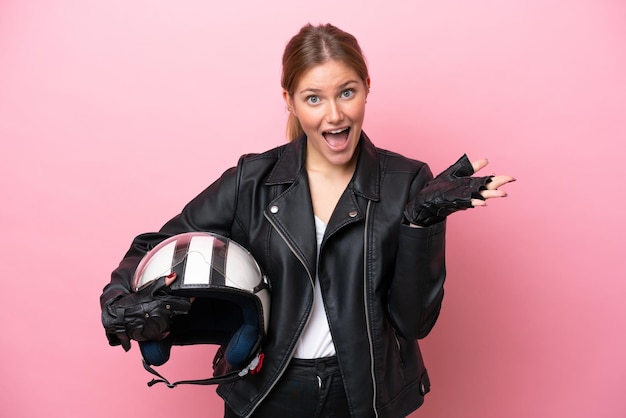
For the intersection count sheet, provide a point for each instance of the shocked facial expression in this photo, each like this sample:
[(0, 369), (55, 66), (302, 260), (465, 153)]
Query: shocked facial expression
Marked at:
[(329, 102)]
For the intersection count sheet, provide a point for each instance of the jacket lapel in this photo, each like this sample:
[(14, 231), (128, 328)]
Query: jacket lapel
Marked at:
[(291, 212), (363, 187)]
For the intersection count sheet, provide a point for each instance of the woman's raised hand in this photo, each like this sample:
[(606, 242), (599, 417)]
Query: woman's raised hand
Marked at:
[(453, 190)]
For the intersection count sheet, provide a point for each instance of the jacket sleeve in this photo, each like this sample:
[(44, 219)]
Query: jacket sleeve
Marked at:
[(212, 210), (416, 290)]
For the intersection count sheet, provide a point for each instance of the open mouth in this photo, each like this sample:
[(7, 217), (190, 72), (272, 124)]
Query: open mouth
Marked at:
[(337, 138)]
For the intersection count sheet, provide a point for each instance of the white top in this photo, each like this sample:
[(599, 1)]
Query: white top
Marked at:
[(316, 341)]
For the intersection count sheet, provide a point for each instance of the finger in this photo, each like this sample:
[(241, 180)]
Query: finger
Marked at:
[(479, 164), (170, 278), (478, 202), (498, 181), (489, 194)]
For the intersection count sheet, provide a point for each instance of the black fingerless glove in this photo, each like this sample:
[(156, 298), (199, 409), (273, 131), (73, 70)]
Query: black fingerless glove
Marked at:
[(450, 191), (144, 315)]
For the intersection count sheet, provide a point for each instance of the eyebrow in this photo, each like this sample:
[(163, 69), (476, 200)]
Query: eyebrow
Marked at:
[(314, 90)]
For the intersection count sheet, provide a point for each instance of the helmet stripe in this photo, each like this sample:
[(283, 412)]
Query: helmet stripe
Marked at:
[(218, 262), (179, 260)]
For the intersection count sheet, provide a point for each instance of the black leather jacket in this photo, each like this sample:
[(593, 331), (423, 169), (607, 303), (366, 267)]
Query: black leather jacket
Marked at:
[(382, 281)]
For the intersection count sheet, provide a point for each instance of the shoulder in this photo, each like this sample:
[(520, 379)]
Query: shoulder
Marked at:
[(258, 167), (261, 159), (393, 162), (266, 157), (390, 161)]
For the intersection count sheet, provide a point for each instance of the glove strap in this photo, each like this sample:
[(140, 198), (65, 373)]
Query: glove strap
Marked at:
[(120, 328)]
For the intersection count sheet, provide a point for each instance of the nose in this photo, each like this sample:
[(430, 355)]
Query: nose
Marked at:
[(334, 112)]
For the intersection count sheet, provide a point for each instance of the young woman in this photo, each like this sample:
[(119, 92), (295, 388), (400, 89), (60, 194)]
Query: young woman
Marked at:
[(350, 236)]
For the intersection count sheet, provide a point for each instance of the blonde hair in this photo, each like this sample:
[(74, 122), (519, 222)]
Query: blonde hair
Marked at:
[(315, 45)]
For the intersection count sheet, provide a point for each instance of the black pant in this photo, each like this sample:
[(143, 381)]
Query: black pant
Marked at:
[(308, 389)]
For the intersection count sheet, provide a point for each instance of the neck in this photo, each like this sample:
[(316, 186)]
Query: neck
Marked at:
[(324, 168), (331, 171)]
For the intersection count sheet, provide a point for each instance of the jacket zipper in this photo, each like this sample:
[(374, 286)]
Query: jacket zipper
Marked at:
[(367, 316), (307, 319)]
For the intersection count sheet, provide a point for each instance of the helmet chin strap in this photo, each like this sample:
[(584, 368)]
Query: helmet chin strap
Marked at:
[(253, 367)]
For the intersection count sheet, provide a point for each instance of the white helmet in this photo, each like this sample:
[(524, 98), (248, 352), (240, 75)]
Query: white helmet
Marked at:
[(230, 307)]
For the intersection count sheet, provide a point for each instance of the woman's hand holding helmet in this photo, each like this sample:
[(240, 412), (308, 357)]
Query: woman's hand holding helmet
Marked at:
[(146, 314), (453, 190)]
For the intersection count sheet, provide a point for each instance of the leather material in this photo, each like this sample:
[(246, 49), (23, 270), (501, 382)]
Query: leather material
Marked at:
[(382, 281), (450, 191), (145, 315)]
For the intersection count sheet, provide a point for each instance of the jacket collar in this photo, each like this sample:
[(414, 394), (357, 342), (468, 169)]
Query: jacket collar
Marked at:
[(366, 179)]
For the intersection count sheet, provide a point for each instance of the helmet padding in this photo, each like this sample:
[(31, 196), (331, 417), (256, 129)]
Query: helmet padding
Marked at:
[(226, 319)]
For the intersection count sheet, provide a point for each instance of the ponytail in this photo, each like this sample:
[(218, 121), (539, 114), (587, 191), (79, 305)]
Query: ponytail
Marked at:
[(294, 129)]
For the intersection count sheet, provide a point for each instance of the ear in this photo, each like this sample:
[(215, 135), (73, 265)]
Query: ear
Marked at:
[(368, 85), (288, 100)]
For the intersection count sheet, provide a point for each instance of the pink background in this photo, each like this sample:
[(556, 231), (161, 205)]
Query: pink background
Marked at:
[(113, 114)]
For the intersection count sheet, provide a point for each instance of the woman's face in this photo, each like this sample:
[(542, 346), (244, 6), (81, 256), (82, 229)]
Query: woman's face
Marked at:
[(329, 102)]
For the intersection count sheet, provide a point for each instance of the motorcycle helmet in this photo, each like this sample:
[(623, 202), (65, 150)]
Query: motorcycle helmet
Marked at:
[(230, 308)]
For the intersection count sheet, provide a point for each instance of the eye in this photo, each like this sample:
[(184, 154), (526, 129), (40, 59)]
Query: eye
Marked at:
[(313, 100), (346, 94)]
